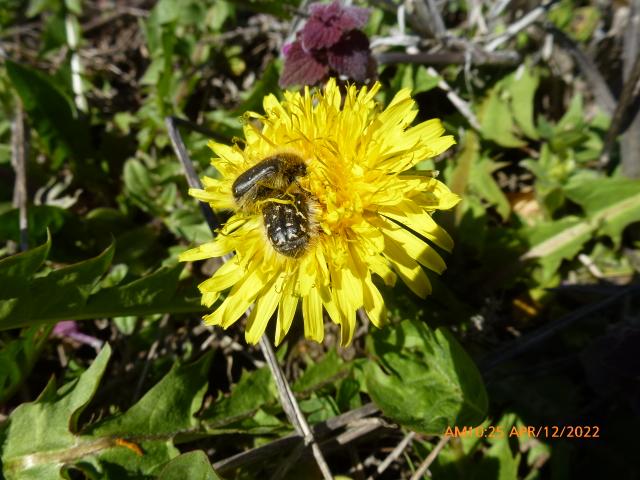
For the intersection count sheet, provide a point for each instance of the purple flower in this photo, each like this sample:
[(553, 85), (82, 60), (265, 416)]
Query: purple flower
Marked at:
[(69, 329), (330, 43)]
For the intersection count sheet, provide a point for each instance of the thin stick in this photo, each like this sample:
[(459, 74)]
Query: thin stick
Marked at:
[(630, 143), (520, 25), (395, 453), (459, 103), (424, 466), (192, 177), (601, 91), (478, 58), (19, 149), (291, 407), (288, 400), (435, 19), (626, 101)]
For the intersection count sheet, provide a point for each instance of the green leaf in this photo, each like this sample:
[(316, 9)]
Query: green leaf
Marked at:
[(553, 242), (70, 293), (16, 271), (192, 466), (499, 454), (424, 81), (167, 409), (151, 426), (41, 436), (68, 288), (44, 436), (482, 182), (40, 219), (496, 119), (138, 183), (469, 155), (38, 6), (609, 203), (254, 390), (423, 379), (167, 11), (573, 119), (50, 112), (327, 370), (141, 295), (17, 358), (523, 90), (319, 408)]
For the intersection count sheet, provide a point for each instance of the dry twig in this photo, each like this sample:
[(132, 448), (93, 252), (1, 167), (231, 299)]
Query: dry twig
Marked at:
[(321, 431), (395, 453), (630, 144), (424, 466), (477, 57), (601, 91), (627, 100), (19, 151), (462, 106), (518, 26)]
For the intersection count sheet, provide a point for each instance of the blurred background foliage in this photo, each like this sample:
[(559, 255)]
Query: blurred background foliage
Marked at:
[(541, 291)]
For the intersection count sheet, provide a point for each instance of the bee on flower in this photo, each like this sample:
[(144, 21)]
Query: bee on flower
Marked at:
[(325, 205)]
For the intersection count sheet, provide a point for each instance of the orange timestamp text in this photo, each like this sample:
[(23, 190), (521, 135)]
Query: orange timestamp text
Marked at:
[(530, 431)]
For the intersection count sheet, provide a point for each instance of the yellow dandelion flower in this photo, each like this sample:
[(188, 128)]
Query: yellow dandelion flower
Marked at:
[(323, 200)]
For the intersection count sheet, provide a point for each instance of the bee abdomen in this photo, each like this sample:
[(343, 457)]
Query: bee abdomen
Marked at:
[(288, 226)]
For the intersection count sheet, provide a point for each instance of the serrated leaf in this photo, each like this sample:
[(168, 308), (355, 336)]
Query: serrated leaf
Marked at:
[(496, 119), (155, 289), (553, 242), (192, 466), (482, 182), (423, 379), (17, 270), (609, 203), (66, 294), (319, 408), (68, 288), (42, 435), (148, 429)]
